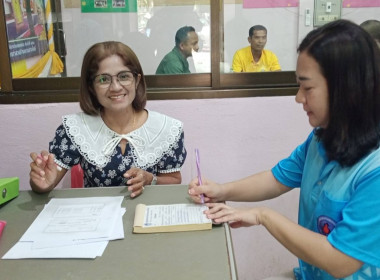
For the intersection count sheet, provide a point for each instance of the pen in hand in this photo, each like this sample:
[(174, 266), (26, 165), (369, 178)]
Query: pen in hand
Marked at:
[(199, 172)]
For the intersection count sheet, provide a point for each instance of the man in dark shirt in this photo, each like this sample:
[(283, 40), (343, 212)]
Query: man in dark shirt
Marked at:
[(175, 62)]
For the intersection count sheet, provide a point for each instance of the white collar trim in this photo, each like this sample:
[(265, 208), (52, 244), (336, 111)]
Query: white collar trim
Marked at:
[(97, 143)]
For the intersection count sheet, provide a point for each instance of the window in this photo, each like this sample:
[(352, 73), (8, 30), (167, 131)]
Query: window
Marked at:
[(148, 27)]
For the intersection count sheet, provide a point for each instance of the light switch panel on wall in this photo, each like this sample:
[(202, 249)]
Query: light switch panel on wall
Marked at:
[(307, 17), (326, 11), (328, 7)]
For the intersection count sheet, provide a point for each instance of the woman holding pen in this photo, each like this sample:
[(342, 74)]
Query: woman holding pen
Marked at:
[(337, 168)]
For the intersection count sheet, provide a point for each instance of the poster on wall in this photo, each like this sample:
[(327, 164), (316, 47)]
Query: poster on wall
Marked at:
[(109, 6), (27, 38), (360, 3), (249, 4)]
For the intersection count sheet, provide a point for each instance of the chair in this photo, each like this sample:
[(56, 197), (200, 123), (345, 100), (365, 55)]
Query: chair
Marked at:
[(76, 176)]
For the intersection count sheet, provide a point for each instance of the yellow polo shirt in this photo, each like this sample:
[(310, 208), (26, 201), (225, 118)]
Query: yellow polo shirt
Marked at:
[(243, 61)]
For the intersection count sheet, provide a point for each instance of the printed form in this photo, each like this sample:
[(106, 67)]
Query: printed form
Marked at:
[(72, 228), (174, 214)]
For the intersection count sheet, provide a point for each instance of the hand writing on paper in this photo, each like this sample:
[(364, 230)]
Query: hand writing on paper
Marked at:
[(210, 190)]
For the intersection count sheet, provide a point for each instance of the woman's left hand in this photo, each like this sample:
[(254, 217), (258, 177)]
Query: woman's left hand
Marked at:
[(237, 217), (137, 179)]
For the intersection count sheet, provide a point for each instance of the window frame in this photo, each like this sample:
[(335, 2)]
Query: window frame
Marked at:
[(159, 87)]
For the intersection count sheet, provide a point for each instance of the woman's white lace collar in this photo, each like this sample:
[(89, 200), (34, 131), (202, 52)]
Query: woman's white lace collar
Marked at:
[(97, 143)]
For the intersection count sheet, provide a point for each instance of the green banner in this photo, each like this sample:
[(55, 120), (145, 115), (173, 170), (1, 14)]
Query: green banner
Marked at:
[(109, 6)]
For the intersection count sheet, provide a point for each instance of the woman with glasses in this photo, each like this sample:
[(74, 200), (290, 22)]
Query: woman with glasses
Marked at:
[(115, 140)]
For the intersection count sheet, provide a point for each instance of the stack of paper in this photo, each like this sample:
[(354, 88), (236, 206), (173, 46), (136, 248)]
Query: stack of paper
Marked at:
[(72, 228), (170, 218)]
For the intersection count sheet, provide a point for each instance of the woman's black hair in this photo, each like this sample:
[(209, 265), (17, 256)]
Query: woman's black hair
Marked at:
[(349, 59)]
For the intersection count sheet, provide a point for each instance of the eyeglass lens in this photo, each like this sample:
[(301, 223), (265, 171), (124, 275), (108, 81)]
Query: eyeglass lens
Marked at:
[(125, 78)]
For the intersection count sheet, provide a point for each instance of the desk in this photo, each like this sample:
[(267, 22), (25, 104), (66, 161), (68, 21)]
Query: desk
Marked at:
[(178, 255)]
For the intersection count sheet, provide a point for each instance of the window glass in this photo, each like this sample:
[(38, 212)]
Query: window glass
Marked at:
[(161, 29), (281, 24), (27, 37), (49, 37), (147, 26), (287, 23)]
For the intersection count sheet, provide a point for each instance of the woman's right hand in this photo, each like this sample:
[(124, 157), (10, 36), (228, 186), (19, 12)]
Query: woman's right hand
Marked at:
[(43, 171), (211, 191)]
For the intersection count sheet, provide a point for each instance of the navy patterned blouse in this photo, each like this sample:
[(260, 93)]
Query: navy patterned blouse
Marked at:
[(157, 147)]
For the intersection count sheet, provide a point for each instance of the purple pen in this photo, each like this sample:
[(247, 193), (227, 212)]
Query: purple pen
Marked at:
[(2, 226), (197, 160)]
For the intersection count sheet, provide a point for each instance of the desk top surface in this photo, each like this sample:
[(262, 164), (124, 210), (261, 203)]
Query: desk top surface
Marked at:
[(178, 255)]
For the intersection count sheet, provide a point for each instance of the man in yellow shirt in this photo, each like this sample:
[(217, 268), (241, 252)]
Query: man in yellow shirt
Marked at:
[(254, 58)]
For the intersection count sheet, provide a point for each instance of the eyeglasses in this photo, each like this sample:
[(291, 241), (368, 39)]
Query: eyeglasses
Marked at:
[(125, 78)]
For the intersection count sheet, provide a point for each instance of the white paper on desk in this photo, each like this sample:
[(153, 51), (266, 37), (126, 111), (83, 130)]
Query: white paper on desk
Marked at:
[(117, 233), (25, 250), (63, 221)]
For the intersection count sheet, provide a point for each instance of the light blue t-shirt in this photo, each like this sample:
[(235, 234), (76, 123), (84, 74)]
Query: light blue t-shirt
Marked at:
[(342, 203)]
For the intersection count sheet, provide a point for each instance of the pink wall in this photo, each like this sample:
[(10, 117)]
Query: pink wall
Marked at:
[(236, 137)]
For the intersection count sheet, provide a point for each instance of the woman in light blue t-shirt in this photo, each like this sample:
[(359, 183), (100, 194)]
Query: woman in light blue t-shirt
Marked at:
[(337, 168)]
